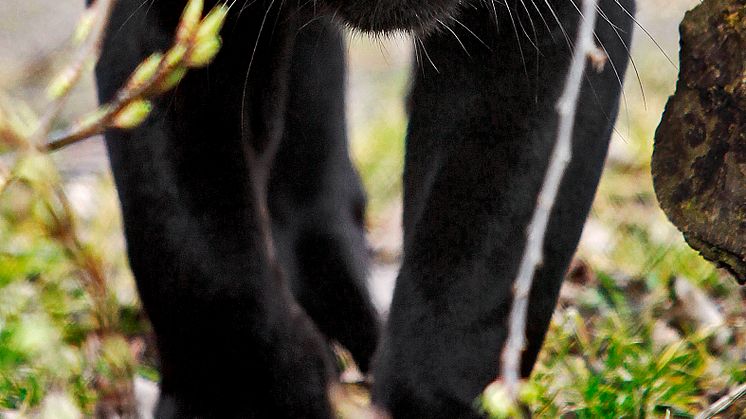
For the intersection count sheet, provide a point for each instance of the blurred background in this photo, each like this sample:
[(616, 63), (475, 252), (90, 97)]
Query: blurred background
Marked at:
[(644, 328)]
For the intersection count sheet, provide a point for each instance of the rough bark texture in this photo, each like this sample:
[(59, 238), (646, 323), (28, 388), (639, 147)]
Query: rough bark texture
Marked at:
[(699, 162)]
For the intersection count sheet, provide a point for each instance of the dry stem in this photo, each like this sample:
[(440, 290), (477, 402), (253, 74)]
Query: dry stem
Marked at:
[(724, 403), (90, 49), (536, 231)]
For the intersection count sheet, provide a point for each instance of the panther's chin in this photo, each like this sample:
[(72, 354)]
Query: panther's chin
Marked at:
[(383, 16)]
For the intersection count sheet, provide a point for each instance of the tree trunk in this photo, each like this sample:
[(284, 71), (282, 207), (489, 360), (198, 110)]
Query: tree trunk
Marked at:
[(699, 162)]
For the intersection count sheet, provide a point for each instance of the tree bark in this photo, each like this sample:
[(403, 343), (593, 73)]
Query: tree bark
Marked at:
[(699, 161)]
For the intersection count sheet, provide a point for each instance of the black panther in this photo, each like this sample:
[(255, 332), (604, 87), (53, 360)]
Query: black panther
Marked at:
[(236, 338)]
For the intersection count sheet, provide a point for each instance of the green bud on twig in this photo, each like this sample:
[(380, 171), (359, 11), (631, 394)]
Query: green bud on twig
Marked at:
[(175, 55), (85, 25), (61, 84), (207, 42), (145, 71), (189, 20), (174, 67), (172, 79), (212, 23), (133, 114), (203, 52)]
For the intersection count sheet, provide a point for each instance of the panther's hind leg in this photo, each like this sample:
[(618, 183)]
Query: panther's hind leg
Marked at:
[(317, 201), (482, 127)]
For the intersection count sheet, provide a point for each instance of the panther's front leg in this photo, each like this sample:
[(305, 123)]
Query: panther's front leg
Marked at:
[(483, 123), (232, 340)]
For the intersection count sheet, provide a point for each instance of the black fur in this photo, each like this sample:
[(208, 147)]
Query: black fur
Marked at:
[(418, 16), (233, 339)]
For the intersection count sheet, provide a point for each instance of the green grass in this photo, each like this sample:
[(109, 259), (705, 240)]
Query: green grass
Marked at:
[(44, 313), (50, 350), (602, 358)]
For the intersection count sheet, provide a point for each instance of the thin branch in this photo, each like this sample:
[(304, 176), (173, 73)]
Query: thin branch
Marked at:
[(74, 72), (178, 58), (724, 403), (536, 231), (124, 97)]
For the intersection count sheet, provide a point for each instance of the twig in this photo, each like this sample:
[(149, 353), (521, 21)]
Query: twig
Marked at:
[(90, 49), (123, 98), (536, 231), (724, 403), (178, 57), (67, 233)]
